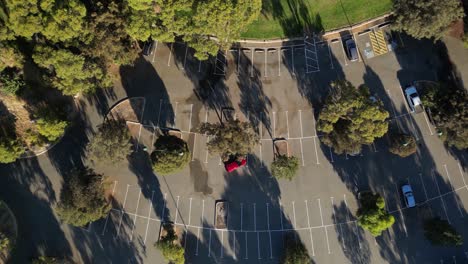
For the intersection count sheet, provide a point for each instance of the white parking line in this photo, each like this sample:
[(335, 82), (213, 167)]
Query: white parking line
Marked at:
[(246, 247), (123, 211), (269, 233), (201, 220), (185, 57), (440, 195), (424, 186), (302, 135), (344, 53), (287, 121), (154, 51), (159, 113), (274, 124), (294, 214), (222, 244), (340, 232), (170, 55), (199, 66), (198, 238), (331, 154), (462, 174), (326, 231), (330, 56), (266, 74), (347, 207), (281, 215), (316, 152), (136, 212), (310, 230), (149, 214), (234, 245), (190, 118), (279, 63), (357, 235), (194, 145), (448, 175), (177, 209), (252, 66), (190, 211), (163, 210), (294, 66), (258, 245), (242, 214), (209, 246), (108, 215), (427, 122)]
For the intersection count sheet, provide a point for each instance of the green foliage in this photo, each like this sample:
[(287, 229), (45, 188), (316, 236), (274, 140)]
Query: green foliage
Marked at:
[(171, 155), (465, 40), (194, 20), (231, 138), (295, 252), (10, 56), (83, 200), (24, 17), (111, 144), (11, 83), (439, 232), (372, 215), (402, 145), (69, 72), (284, 167), (448, 107), (10, 149), (4, 242), (350, 118), (63, 21), (426, 19), (50, 126), (170, 248)]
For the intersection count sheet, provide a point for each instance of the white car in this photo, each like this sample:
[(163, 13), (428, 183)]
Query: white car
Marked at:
[(408, 195), (413, 97)]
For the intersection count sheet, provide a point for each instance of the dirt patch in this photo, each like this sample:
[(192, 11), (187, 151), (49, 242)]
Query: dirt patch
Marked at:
[(130, 109), (15, 116), (457, 29)]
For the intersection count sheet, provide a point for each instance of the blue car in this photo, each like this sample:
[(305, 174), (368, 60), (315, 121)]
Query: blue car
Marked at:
[(408, 195)]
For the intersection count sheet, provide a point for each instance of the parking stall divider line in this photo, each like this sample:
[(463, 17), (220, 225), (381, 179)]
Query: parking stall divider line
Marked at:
[(287, 121), (385, 200), (175, 112), (194, 145), (185, 57), (340, 231), (328, 242), (123, 211), (154, 51), (357, 235), (329, 55), (149, 215), (310, 230), (344, 54), (255, 217), (246, 247), (252, 63), (448, 175), (281, 215), (177, 209), (279, 62), (190, 123), (242, 215), (316, 152), (274, 124), (190, 211), (440, 195), (108, 214), (294, 214), (170, 55), (261, 155), (427, 122), (320, 209), (269, 232), (234, 245), (163, 208), (198, 238), (331, 154), (159, 113), (258, 245), (294, 65), (462, 174), (199, 66), (136, 212), (222, 244), (266, 73), (346, 204), (209, 246), (454, 260)]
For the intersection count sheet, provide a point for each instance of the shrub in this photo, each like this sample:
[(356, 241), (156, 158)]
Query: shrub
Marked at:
[(83, 199), (11, 83), (4, 242), (51, 127), (440, 232), (10, 150), (284, 167), (372, 215), (111, 144), (402, 145), (171, 155), (295, 252), (170, 248)]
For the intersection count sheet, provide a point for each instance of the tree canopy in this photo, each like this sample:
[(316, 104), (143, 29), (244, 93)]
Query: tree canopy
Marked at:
[(350, 118), (170, 247), (426, 19), (372, 215), (284, 167), (295, 252), (82, 199), (10, 149), (171, 154), (230, 138), (402, 145), (111, 144), (440, 232)]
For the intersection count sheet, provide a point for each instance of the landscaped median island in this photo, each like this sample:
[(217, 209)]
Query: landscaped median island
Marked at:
[(286, 18)]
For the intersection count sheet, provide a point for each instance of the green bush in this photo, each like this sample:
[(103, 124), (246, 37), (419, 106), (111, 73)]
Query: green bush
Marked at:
[(11, 83), (171, 155), (465, 41), (50, 126), (284, 167), (402, 145), (439, 232), (10, 150), (4, 242), (295, 252), (372, 215), (83, 199), (169, 247)]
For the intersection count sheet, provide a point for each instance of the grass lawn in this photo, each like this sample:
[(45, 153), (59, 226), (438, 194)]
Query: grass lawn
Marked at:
[(287, 18)]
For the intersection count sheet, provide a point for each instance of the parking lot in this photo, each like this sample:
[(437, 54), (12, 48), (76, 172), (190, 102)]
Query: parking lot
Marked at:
[(280, 89)]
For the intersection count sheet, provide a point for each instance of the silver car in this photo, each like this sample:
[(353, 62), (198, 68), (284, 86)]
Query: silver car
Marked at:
[(413, 97)]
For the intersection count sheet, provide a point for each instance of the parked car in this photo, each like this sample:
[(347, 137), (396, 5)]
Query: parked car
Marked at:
[(148, 48), (412, 97), (233, 165), (351, 50), (408, 195)]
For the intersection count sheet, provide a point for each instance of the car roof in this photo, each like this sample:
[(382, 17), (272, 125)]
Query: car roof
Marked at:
[(406, 188), (411, 200), (349, 41), (411, 89)]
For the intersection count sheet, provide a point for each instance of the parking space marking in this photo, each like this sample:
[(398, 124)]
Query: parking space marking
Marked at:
[(329, 55), (163, 210), (427, 121), (281, 215), (287, 121), (190, 211), (177, 209), (246, 247), (310, 229), (331, 154), (316, 152), (294, 213), (155, 48), (302, 135), (170, 55), (279, 62), (424, 186), (198, 238), (123, 211), (201, 220), (357, 47), (185, 57), (209, 246), (269, 232), (136, 212), (400, 207), (344, 53), (234, 245), (266, 74), (346, 204), (274, 124), (108, 214), (440, 195), (242, 215), (357, 235), (252, 64), (194, 145), (448, 175), (340, 231), (462, 174), (222, 244)]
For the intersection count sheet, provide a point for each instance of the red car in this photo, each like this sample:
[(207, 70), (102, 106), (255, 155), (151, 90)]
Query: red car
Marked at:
[(233, 165)]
